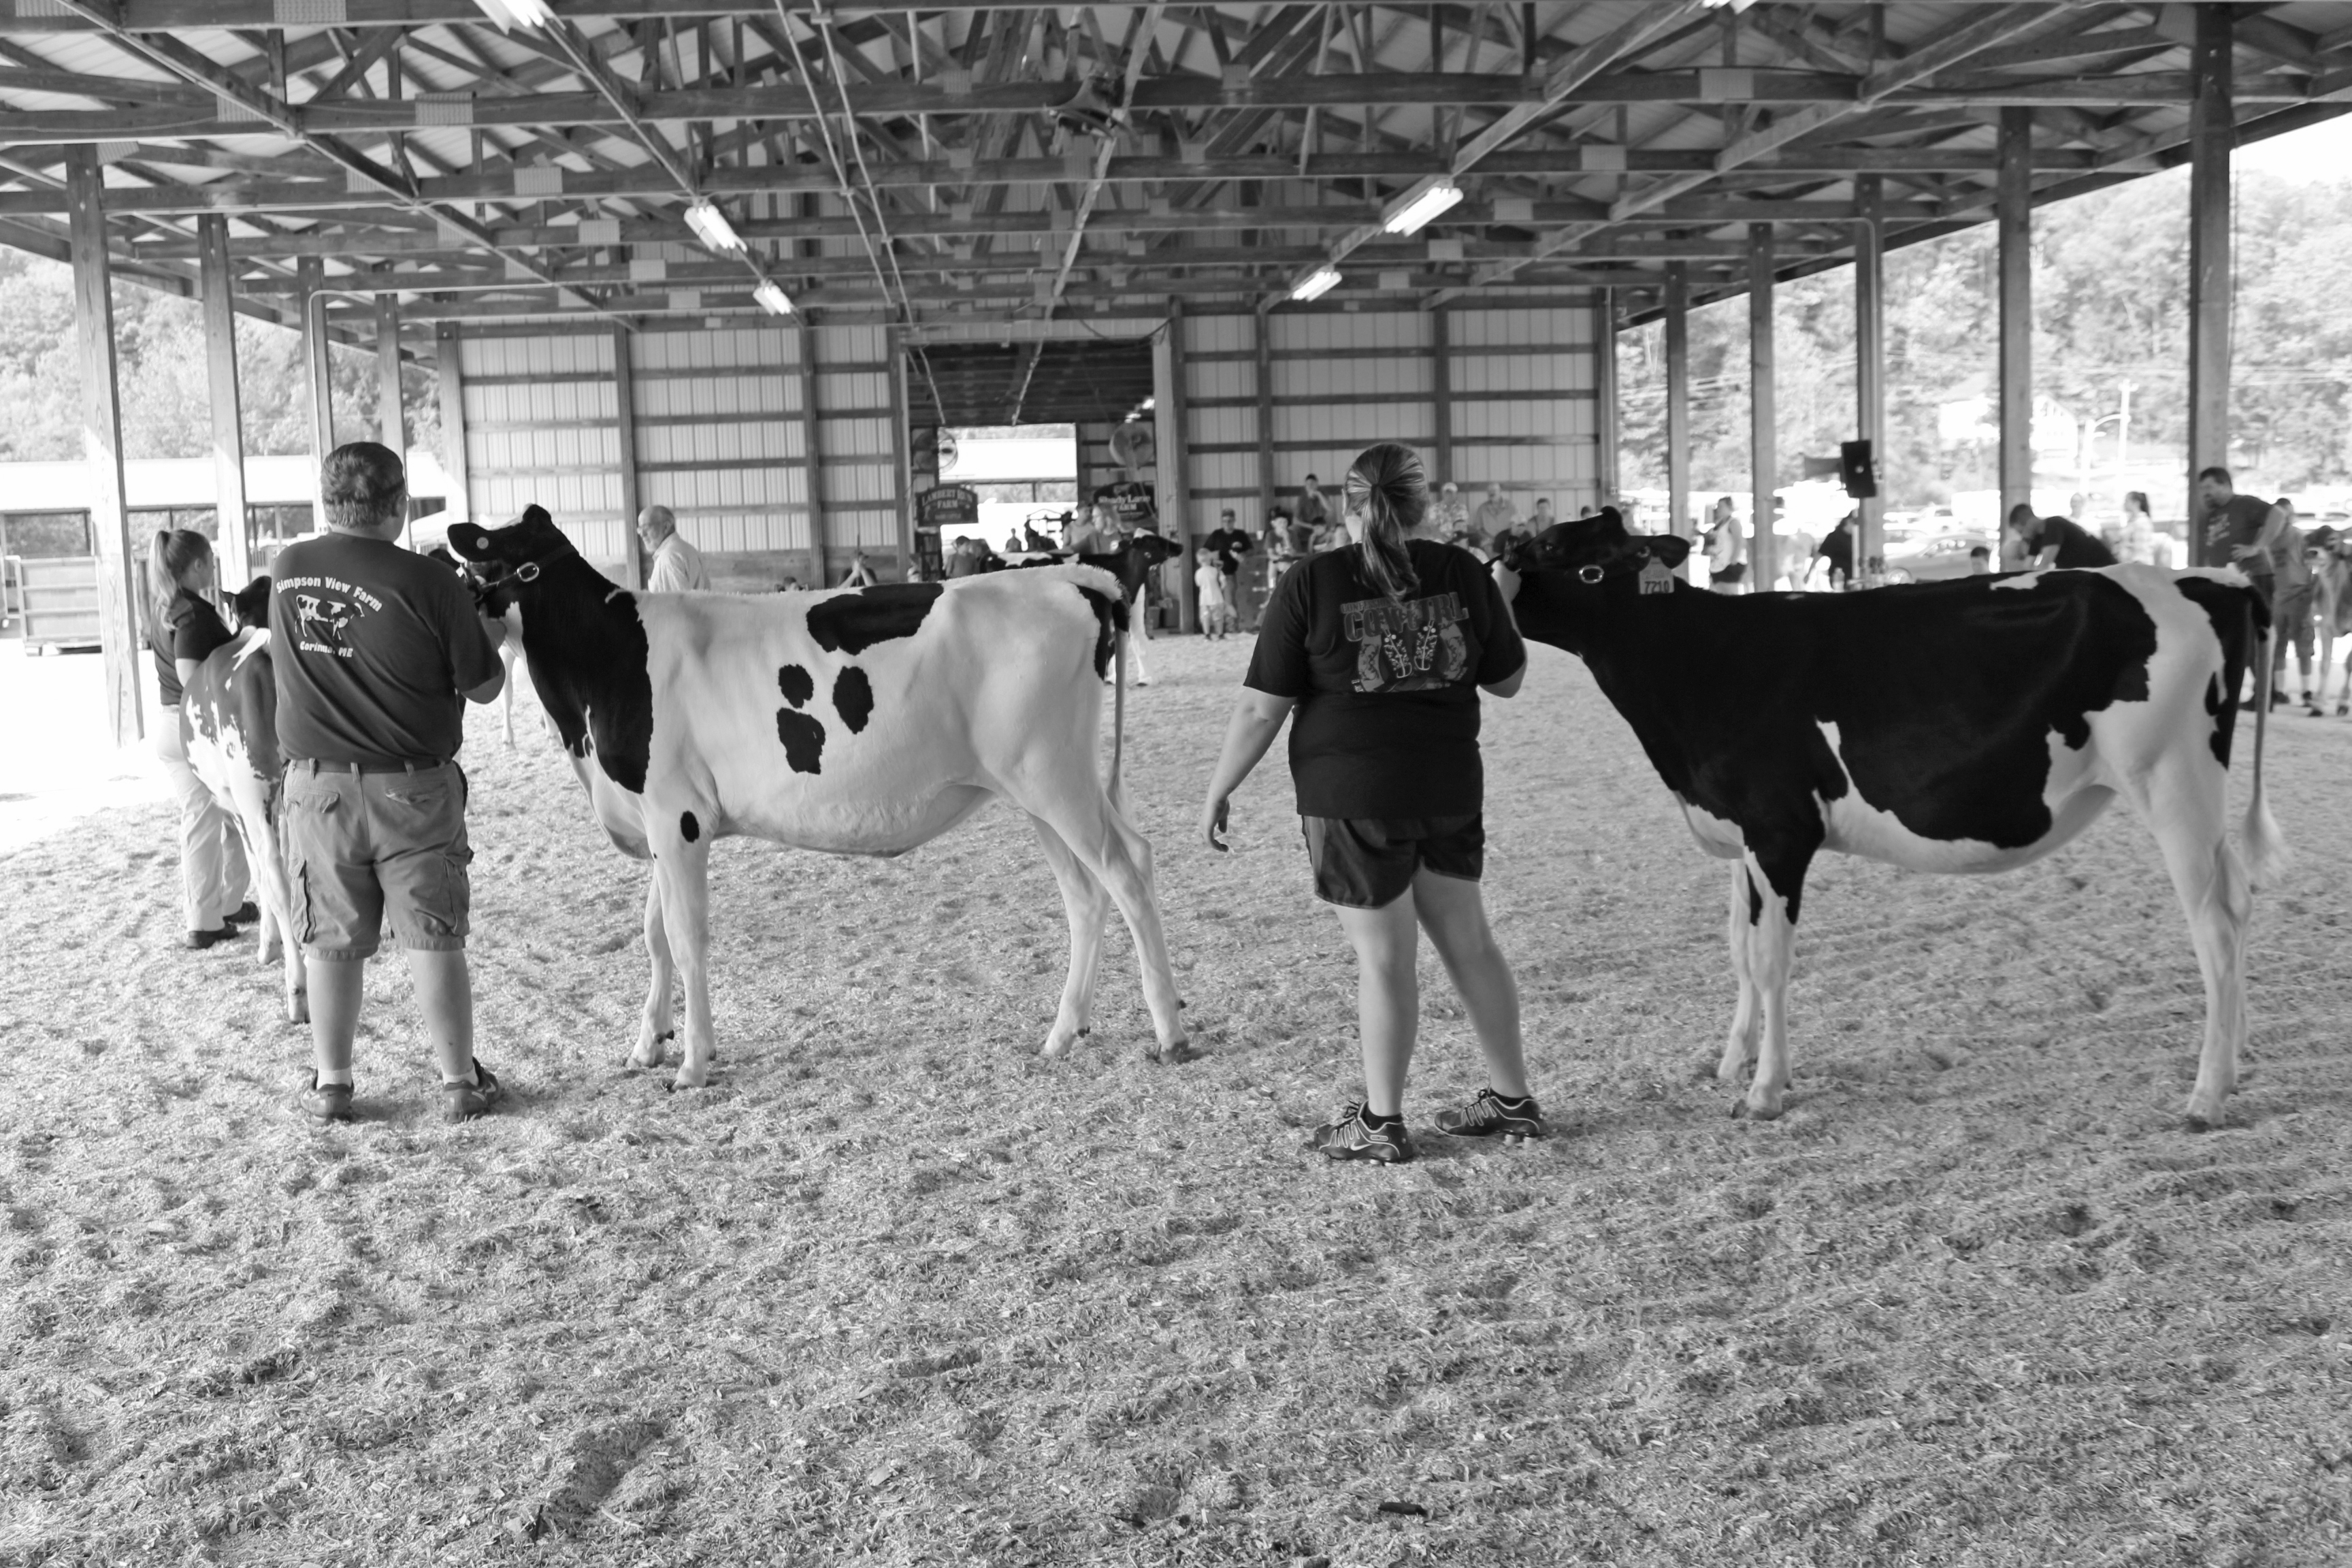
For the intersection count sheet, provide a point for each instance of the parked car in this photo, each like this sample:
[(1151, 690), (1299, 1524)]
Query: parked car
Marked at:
[(1934, 559)]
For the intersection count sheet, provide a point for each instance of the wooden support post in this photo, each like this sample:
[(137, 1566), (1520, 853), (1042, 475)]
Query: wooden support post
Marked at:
[(1678, 507), (2013, 219), (1264, 344), (449, 370), (634, 567), (1869, 369), (392, 418), (1604, 386), (2212, 133), (310, 277), (902, 445), (1763, 447), (813, 474), (216, 282), (1172, 468), (1440, 390), (119, 619)]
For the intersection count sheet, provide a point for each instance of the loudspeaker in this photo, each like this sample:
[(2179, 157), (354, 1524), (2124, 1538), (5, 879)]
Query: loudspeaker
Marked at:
[(1855, 470)]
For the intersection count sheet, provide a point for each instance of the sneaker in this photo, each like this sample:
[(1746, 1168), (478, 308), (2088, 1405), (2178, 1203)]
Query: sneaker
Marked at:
[(462, 1102), (1490, 1114), (197, 940), (1350, 1137), (327, 1102), (244, 914)]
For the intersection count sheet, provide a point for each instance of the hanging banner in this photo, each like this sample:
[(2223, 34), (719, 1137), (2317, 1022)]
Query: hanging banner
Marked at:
[(1130, 502)]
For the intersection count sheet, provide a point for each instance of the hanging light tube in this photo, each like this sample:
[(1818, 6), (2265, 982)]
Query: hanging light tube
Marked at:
[(710, 226), (513, 14), (772, 298), (1411, 212), (1316, 284)]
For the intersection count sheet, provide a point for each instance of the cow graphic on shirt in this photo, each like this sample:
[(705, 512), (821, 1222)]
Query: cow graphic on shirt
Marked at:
[(1415, 645), (322, 618)]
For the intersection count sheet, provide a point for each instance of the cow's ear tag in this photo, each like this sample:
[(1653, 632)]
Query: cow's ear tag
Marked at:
[(1656, 578)]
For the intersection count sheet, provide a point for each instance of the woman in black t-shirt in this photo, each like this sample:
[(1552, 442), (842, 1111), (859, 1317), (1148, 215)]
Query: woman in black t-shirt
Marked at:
[(1381, 649), (183, 629)]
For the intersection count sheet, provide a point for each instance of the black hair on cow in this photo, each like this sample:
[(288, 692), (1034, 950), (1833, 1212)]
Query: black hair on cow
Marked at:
[(251, 604)]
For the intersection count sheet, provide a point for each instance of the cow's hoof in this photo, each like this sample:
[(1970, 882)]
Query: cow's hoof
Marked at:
[(1176, 1051), (1732, 1069), (1763, 1107), (691, 1077), (2204, 1112)]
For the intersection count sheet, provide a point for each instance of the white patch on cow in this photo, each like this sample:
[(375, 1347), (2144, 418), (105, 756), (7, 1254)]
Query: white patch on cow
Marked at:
[(1719, 837), (2021, 580)]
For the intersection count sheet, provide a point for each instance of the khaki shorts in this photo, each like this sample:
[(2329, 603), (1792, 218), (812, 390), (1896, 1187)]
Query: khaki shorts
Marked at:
[(362, 846)]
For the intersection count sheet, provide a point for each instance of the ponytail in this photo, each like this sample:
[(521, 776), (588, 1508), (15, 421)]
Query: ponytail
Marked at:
[(1387, 488), (175, 553)]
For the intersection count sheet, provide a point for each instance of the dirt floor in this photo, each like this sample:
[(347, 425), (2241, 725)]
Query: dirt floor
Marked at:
[(895, 1291)]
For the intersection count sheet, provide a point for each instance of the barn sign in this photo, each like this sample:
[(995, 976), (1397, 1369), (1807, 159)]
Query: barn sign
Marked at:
[(942, 507)]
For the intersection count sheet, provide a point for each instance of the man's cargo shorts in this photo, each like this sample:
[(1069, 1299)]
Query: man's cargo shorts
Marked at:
[(360, 846)]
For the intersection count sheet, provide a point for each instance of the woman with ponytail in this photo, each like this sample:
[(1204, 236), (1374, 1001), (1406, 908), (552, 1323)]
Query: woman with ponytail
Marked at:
[(183, 629), (1381, 649)]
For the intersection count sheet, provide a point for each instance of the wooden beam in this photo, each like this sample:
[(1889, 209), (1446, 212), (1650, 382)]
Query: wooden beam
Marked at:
[(392, 418), (218, 302), (2014, 218), (902, 445), (2212, 138), (119, 620), (1869, 371), (813, 471), (1763, 447), (449, 370), (1262, 342), (310, 281), (1173, 465), (1441, 377), (1604, 384), (636, 570), (1677, 335)]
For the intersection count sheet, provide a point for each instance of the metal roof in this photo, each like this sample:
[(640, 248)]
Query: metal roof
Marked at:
[(983, 161)]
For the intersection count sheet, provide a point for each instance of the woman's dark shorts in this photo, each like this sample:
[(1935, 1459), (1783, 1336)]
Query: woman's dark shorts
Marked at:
[(1365, 862)]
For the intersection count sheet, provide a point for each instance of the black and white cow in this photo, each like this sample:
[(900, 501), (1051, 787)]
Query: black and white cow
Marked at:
[(855, 720), (1971, 725), (228, 721), (506, 651)]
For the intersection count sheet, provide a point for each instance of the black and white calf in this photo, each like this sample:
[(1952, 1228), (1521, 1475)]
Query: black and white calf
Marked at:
[(857, 722), (1973, 725)]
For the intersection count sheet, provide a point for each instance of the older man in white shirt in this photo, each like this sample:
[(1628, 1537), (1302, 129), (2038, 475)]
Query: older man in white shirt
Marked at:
[(677, 566)]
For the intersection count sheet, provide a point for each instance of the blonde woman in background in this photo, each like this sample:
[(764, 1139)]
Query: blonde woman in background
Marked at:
[(183, 629)]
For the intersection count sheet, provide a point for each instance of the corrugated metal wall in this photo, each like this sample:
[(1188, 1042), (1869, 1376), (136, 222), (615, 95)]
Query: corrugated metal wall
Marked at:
[(722, 439), (1521, 408)]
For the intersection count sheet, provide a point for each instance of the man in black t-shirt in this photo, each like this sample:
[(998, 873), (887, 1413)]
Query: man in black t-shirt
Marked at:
[(2239, 529), (377, 650), (2047, 542)]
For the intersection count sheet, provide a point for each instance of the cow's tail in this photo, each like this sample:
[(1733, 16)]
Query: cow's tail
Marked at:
[(1118, 715), (2266, 852)]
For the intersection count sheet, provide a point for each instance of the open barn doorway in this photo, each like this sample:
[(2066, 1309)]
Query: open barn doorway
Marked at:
[(1015, 442)]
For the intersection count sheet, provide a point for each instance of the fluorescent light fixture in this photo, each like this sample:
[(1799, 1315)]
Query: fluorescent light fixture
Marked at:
[(772, 298), (711, 228), (1410, 212), (511, 14), (1736, 6), (1316, 284)]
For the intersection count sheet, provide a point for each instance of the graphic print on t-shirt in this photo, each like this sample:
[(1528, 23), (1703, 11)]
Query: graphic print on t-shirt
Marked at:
[(1416, 646), (319, 617)]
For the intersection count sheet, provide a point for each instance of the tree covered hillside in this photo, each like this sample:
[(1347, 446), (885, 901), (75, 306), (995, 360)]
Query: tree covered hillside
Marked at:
[(160, 369)]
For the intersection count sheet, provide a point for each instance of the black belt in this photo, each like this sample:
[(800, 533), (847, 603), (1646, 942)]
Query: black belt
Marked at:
[(319, 767)]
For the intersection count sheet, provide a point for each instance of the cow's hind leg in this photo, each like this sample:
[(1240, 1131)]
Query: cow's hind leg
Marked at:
[(683, 870), (2187, 818), (277, 944), (1739, 1044), (655, 1026), (1088, 904), (1107, 845)]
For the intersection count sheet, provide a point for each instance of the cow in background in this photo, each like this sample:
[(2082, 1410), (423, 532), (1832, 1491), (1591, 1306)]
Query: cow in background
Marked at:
[(2329, 550), (855, 722), (228, 718), (1969, 725)]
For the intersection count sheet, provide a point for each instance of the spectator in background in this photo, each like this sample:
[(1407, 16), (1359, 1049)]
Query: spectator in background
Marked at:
[(677, 566), (1837, 549), (964, 557), (1449, 519), (1314, 507), (183, 629), (1542, 520), (1329, 535), (860, 573), (2290, 609), (1013, 545), (2239, 529), (2139, 535), (1979, 561), (1495, 515), (1228, 543), (1727, 552), (1216, 609), (2047, 542), (1030, 540)]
